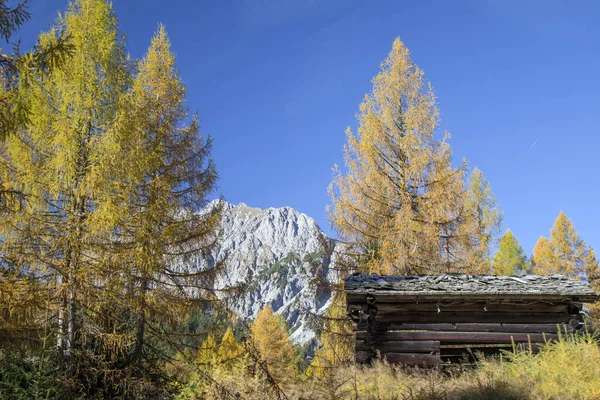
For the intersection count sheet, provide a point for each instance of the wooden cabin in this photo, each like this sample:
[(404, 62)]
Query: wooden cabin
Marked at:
[(428, 320)]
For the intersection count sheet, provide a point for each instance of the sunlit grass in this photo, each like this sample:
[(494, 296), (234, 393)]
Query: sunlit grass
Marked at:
[(568, 369)]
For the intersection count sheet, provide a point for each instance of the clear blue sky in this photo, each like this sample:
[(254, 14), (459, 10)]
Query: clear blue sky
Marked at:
[(276, 82)]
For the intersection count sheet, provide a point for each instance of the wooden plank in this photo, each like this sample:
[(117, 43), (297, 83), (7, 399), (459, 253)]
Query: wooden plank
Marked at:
[(413, 359), (462, 337), (472, 317), (474, 327), (457, 351), (543, 307), (407, 346), (402, 358)]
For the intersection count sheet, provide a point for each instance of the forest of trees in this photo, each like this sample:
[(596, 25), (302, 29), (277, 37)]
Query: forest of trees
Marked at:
[(105, 178)]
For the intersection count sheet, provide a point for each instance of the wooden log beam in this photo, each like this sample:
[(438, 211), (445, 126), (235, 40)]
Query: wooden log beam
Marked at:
[(353, 297), (461, 337), (474, 327), (407, 346), (473, 317), (403, 358), (543, 307), (487, 350), (413, 359)]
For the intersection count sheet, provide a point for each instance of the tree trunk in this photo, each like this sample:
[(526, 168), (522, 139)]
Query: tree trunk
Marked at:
[(141, 327)]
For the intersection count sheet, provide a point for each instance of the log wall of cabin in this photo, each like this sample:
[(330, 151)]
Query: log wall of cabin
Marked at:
[(430, 333)]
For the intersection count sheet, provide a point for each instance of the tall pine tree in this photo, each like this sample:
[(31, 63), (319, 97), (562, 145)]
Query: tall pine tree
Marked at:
[(400, 203)]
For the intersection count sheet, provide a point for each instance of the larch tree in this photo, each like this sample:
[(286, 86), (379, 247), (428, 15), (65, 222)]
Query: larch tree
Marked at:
[(543, 258), (115, 179), (11, 19), (483, 226), (400, 201), (564, 252), (18, 68), (208, 353), (161, 216), (337, 340), (510, 259), (270, 337), (51, 160), (592, 275), (229, 349)]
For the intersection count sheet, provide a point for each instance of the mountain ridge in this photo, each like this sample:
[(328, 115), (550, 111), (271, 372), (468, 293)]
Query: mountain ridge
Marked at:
[(281, 258)]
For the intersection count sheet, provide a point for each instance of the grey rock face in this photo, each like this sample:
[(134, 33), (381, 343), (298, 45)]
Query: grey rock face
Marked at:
[(284, 260)]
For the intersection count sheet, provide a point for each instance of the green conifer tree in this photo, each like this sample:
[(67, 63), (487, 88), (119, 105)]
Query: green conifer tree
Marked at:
[(510, 259)]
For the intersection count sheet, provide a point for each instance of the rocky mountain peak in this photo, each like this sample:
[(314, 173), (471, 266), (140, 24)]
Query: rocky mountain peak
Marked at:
[(283, 260)]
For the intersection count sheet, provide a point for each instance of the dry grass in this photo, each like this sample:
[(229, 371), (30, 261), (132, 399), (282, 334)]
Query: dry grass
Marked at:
[(565, 370)]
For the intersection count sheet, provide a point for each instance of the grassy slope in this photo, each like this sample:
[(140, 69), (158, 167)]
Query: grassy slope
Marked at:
[(569, 369)]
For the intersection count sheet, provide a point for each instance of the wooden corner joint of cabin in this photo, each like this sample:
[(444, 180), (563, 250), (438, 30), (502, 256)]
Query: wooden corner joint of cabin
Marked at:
[(576, 321), (371, 332), (365, 315)]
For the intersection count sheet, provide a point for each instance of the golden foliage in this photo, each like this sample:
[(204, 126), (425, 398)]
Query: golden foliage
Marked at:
[(111, 175), (229, 350), (401, 203), (481, 224), (270, 337), (510, 259), (208, 353), (337, 340), (564, 252), (543, 257)]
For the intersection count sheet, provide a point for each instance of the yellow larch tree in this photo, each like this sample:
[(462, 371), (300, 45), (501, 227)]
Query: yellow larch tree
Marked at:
[(51, 160), (337, 340), (229, 349), (208, 353), (163, 175), (481, 228), (270, 337), (400, 202), (564, 252), (510, 259), (18, 68), (114, 177), (543, 259)]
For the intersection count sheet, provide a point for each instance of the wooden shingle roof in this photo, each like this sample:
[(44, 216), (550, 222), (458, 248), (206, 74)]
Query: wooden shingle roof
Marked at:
[(455, 286)]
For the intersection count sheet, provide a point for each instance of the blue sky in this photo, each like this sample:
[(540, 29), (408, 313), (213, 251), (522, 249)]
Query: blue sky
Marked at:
[(276, 82)]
